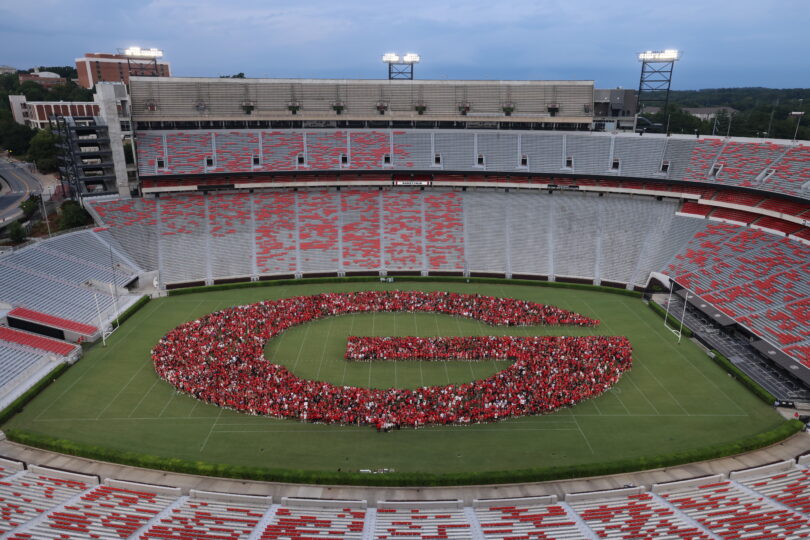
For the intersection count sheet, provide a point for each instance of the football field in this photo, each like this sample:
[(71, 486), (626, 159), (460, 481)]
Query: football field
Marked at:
[(674, 399)]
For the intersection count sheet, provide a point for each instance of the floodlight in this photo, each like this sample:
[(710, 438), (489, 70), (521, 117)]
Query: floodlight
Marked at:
[(143, 53), (668, 55), (390, 58), (411, 58)]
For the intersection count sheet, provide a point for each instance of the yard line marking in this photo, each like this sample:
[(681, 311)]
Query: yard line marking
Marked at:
[(301, 347), (107, 352), (688, 361), (643, 365), (210, 431), (144, 397), (138, 372), (582, 432), (644, 395)]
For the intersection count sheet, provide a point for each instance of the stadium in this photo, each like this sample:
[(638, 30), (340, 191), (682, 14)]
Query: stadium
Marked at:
[(275, 224)]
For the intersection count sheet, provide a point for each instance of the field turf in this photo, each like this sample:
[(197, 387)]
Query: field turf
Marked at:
[(673, 399)]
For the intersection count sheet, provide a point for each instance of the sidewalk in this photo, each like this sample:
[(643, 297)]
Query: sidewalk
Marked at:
[(788, 449)]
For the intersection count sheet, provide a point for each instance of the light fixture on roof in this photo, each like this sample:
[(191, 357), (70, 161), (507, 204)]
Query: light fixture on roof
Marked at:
[(137, 52), (667, 55), (400, 67)]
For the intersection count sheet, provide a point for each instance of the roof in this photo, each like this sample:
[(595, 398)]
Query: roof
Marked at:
[(51, 320)]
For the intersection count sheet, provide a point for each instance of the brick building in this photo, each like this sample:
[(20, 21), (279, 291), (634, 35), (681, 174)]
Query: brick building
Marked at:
[(35, 114), (103, 67)]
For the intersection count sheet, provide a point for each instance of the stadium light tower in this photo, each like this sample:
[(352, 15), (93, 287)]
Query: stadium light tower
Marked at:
[(400, 67), (142, 61), (656, 78)]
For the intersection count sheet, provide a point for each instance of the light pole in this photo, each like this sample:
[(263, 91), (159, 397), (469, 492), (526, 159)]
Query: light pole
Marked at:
[(798, 115), (400, 67)]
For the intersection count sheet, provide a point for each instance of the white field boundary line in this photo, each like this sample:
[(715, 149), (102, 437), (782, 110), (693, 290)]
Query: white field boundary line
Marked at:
[(678, 403)]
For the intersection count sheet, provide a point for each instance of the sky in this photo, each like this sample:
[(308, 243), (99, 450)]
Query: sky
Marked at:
[(724, 43)]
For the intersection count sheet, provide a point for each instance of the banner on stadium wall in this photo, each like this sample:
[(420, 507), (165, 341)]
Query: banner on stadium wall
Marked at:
[(412, 182)]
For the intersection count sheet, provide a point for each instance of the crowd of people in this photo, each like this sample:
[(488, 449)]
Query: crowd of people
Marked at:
[(438, 349), (220, 359)]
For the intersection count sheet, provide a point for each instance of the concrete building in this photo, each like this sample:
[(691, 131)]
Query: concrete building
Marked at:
[(359, 103), (92, 160), (614, 108), (47, 79), (5, 70), (37, 114), (103, 67)]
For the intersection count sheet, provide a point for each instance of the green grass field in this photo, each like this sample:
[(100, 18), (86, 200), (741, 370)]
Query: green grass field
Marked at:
[(673, 399)]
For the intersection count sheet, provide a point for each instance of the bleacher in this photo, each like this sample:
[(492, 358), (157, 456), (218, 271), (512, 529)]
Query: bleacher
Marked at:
[(200, 519), (102, 512), (764, 165), (65, 276), (754, 274), (729, 511), (29, 494), (418, 523), (313, 522), (635, 516), (512, 519), (768, 502)]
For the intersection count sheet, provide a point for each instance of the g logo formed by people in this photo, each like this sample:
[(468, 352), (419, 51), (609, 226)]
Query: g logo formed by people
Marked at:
[(220, 359)]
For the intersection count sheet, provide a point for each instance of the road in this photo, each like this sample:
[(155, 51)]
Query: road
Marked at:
[(22, 183)]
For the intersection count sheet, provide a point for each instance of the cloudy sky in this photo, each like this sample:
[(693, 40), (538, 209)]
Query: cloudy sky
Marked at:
[(725, 43)]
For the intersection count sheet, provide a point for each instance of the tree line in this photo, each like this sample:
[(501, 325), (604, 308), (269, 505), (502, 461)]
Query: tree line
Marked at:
[(760, 112)]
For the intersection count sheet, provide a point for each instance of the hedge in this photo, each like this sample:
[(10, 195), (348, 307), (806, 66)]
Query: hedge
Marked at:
[(18, 404), (669, 318), (131, 310), (754, 442), (368, 279), (741, 376)]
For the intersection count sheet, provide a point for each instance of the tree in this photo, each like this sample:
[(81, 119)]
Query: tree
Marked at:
[(71, 215), (16, 233), (30, 205), (239, 75), (14, 136), (42, 150)]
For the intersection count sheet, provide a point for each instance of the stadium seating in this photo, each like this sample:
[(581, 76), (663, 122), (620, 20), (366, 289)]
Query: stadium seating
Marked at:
[(44, 504), (635, 516), (314, 522), (753, 274), (206, 520), (791, 488), (15, 360), (417, 523), (318, 230), (64, 276), (188, 152), (27, 495), (766, 166), (515, 520), (275, 232), (360, 229), (103, 512), (729, 511), (792, 172), (402, 230), (444, 231)]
